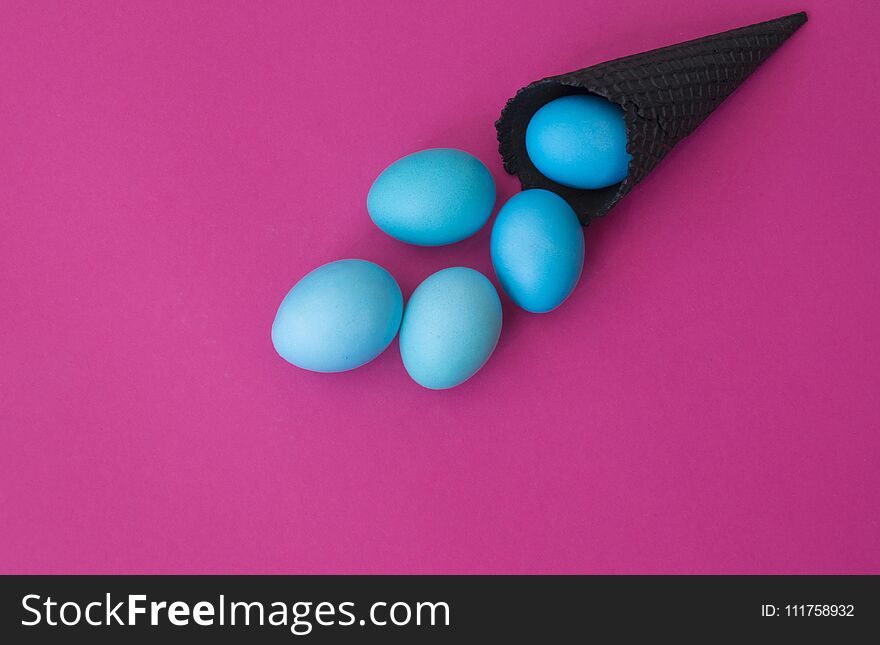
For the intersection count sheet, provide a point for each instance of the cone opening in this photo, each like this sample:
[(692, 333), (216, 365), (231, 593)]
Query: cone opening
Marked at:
[(514, 122)]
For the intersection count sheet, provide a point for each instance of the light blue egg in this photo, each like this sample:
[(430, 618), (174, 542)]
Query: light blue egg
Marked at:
[(450, 327), (338, 317), (579, 141), (537, 249), (433, 197)]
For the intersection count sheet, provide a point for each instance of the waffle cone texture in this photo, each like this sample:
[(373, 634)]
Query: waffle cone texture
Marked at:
[(665, 94)]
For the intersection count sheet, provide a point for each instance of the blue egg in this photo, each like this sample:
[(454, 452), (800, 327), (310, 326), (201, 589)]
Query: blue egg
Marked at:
[(338, 317), (579, 141), (537, 249), (433, 197), (450, 327)]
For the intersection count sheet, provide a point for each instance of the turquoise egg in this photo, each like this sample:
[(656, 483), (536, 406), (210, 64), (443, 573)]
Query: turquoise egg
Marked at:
[(579, 141), (450, 327), (433, 197), (338, 317), (537, 249)]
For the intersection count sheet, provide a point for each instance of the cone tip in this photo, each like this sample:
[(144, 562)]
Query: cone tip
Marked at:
[(799, 18)]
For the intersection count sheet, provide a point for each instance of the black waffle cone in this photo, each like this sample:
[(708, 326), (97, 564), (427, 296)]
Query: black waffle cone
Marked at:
[(665, 94)]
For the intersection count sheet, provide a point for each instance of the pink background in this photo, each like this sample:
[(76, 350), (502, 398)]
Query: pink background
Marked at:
[(707, 401)]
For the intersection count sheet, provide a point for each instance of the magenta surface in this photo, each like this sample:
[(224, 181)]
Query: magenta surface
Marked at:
[(706, 401)]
